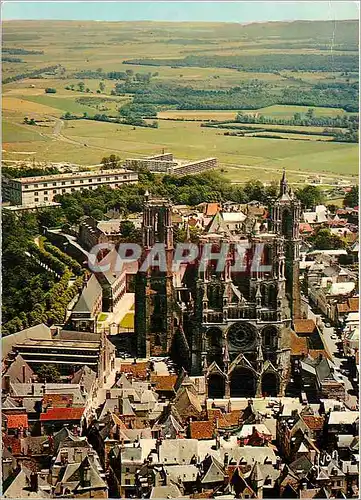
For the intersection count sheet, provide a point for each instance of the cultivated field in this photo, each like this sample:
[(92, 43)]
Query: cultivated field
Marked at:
[(89, 47)]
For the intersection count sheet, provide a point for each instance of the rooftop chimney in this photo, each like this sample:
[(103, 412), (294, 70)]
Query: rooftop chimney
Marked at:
[(6, 384)]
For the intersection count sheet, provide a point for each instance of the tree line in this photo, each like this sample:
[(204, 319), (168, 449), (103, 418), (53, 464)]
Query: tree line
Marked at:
[(307, 119), (264, 63), (30, 74), (253, 94), (18, 51), (24, 171), (12, 59), (34, 295)]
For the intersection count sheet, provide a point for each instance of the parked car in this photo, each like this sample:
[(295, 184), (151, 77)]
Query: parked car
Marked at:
[(327, 325), (334, 337)]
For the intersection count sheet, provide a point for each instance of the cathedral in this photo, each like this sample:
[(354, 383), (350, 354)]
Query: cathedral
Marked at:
[(230, 324)]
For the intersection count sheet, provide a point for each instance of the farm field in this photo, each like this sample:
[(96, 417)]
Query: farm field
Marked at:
[(238, 156), (105, 46)]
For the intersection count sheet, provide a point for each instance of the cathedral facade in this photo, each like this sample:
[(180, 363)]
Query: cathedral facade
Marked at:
[(229, 323)]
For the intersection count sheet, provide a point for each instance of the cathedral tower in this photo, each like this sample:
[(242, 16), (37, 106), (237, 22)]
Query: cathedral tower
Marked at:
[(155, 301), (285, 219)]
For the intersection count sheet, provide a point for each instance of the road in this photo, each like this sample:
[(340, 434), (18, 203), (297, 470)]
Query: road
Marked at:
[(337, 356)]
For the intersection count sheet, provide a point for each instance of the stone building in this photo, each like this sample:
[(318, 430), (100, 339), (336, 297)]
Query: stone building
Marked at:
[(232, 325)]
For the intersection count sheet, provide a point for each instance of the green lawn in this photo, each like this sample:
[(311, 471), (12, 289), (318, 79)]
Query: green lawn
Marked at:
[(102, 317), (189, 140), (13, 133), (289, 111), (62, 103), (241, 157), (128, 321)]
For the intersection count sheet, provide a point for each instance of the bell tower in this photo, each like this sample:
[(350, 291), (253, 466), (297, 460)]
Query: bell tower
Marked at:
[(155, 297), (286, 215)]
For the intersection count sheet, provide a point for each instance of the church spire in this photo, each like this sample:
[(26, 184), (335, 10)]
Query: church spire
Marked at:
[(283, 184)]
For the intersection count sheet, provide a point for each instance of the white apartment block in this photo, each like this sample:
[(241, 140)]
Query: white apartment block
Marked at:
[(40, 190)]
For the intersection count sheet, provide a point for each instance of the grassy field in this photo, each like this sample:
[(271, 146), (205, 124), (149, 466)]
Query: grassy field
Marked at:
[(13, 133), (240, 158), (288, 111), (83, 46)]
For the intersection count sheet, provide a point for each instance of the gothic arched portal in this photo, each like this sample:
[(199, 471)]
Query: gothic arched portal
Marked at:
[(243, 383), (270, 384), (216, 386)]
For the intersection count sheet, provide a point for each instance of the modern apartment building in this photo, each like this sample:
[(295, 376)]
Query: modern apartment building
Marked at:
[(40, 190), (166, 163)]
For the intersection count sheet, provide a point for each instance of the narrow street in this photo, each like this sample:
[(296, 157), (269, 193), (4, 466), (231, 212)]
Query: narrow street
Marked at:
[(332, 346), (109, 383)]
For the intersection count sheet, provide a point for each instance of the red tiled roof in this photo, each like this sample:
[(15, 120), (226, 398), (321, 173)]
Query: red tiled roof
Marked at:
[(203, 494), (305, 227), (353, 304), (164, 382), (304, 325), (342, 308), (313, 423), (225, 420), (58, 400), (16, 421), (211, 209), (214, 413), (12, 443), (315, 353), (138, 370), (298, 345), (62, 414), (201, 430)]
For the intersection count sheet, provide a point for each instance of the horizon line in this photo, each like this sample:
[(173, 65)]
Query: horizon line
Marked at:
[(171, 21)]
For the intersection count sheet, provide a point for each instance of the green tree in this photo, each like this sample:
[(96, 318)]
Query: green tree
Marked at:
[(126, 228), (325, 240), (81, 86), (254, 190), (111, 161), (310, 196), (48, 373), (310, 113), (101, 86), (352, 197), (97, 214)]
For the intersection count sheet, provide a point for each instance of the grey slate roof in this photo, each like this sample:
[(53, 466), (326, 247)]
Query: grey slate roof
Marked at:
[(89, 295), (40, 331), (186, 473), (85, 376), (17, 369), (171, 491)]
